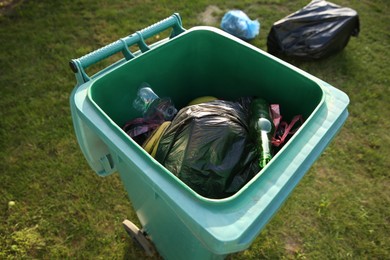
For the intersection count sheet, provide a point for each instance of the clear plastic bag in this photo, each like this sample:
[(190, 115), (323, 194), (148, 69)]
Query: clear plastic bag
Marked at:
[(155, 111), (152, 106)]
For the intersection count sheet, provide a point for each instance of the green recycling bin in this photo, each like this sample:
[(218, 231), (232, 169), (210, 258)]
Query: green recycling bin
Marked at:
[(201, 61)]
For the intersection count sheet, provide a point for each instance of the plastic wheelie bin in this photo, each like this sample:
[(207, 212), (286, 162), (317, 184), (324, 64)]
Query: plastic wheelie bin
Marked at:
[(200, 61)]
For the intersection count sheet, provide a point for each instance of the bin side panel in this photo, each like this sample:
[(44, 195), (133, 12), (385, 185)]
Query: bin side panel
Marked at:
[(94, 149)]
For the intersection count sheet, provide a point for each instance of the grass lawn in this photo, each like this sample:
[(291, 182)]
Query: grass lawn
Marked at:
[(53, 206)]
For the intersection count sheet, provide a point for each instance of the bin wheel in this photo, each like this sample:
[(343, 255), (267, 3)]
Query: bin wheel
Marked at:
[(139, 237)]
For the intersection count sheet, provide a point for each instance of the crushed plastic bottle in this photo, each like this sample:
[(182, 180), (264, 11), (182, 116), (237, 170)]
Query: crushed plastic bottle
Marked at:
[(153, 107), (262, 129)]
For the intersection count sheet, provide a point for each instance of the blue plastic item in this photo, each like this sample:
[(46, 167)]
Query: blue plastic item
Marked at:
[(237, 23)]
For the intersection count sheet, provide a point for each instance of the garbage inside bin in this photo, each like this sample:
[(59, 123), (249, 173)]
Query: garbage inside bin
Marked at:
[(155, 111), (152, 143), (316, 31), (208, 147), (200, 100), (153, 108), (237, 23), (261, 128), (212, 145)]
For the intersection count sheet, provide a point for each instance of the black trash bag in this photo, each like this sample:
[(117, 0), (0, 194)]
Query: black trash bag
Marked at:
[(208, 147), (316, 31)]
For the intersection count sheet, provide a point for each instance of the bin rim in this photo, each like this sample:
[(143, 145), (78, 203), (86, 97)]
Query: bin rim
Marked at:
[(258, 175)]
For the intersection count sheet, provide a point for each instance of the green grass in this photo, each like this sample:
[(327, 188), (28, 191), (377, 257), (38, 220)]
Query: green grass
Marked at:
[(62, 209)]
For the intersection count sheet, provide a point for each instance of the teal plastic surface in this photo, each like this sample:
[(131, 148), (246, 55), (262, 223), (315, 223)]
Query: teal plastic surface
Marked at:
[(122, 45), (198, 62), (94, 149)]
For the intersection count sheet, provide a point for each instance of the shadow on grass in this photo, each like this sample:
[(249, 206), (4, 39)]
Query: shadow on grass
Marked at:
[(133, 250)]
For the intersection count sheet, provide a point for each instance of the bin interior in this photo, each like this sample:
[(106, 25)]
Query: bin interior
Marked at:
[(205, 62)]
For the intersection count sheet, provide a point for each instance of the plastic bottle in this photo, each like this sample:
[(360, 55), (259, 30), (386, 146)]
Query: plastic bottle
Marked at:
[(153, 107), (262, 129)]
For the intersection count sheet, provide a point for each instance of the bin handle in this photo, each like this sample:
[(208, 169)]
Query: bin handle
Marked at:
[(121, 45)]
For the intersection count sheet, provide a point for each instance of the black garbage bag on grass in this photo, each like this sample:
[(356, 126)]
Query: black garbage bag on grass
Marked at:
[(208, 147), (316, 31)]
